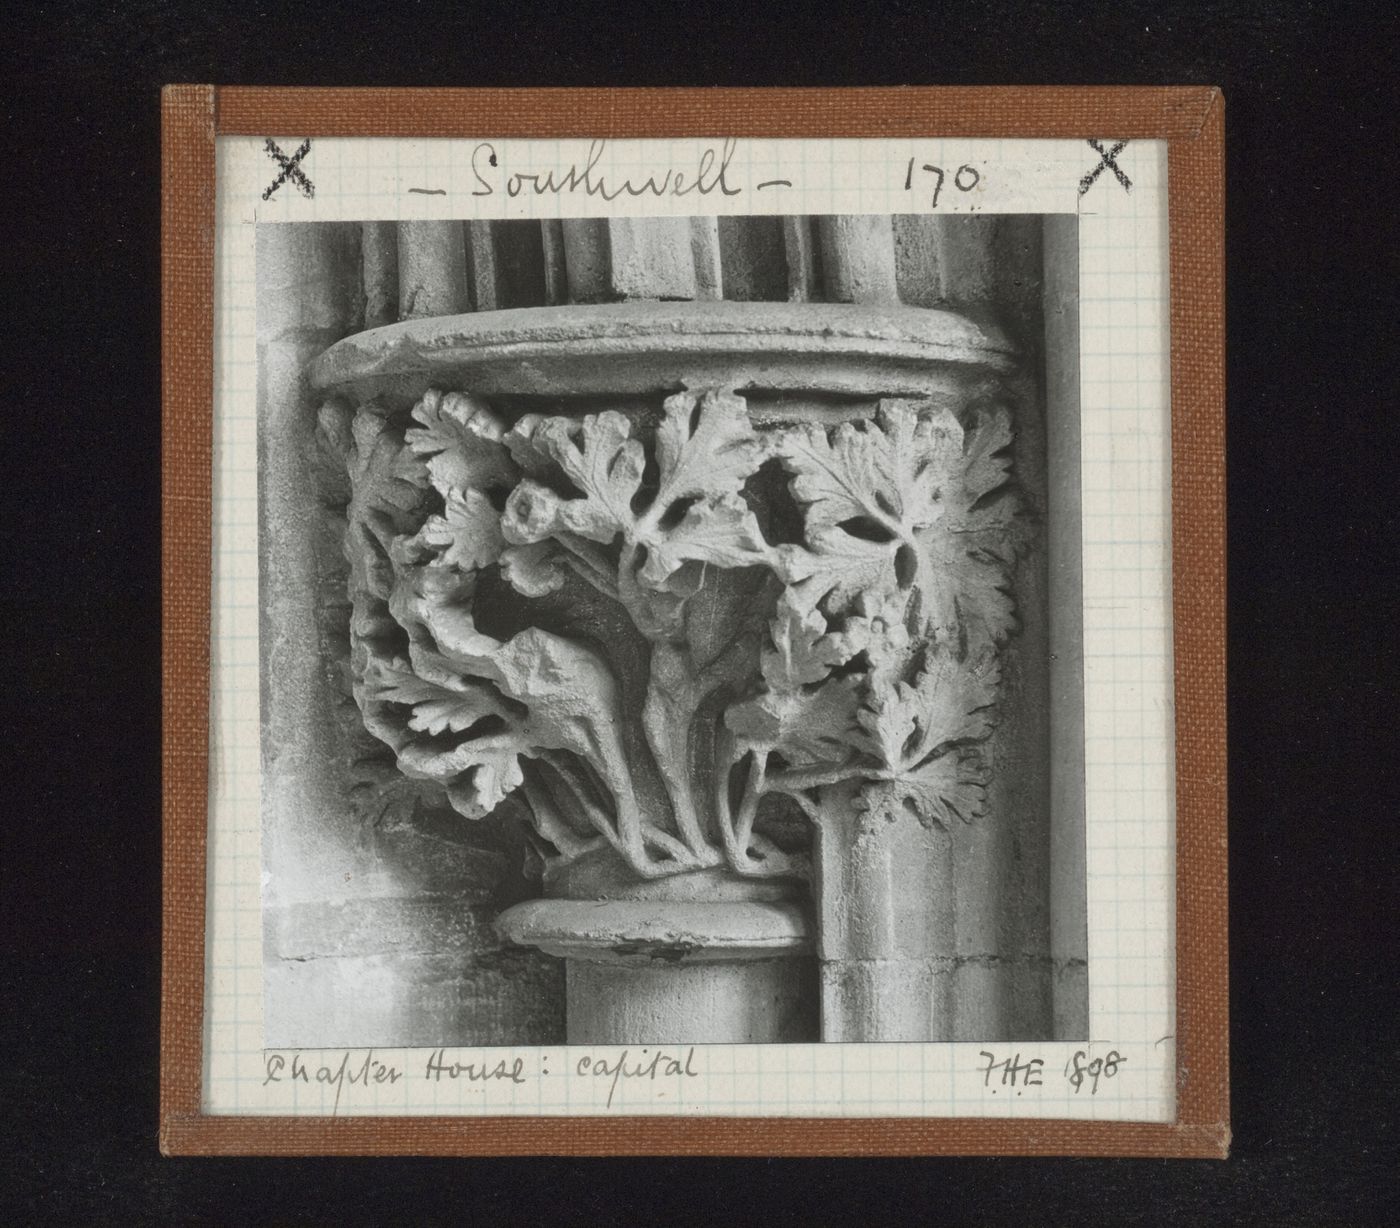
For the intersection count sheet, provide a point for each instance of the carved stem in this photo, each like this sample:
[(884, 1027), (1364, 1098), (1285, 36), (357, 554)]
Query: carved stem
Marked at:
[(551, 825), (748, 803), (589, 564), (608, 827), (736, 832), (667, 843), (725, 760), (794, 780), (671, 703)]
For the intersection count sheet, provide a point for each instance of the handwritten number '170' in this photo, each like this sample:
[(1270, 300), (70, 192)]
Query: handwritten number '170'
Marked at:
[(965, 178)]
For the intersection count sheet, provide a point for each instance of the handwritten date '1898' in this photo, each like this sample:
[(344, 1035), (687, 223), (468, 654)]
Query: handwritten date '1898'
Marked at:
[(1015, 1074)]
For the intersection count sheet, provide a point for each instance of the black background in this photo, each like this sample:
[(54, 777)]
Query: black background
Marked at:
[(1313, 578)]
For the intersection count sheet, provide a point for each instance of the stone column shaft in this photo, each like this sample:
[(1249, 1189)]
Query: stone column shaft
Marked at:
[(886, 908), (665, 971)]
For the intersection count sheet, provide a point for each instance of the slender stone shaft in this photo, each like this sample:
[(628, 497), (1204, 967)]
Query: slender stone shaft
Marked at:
[(380, 245), (885, 936), (432, 270), (556, 277), (1068, 918), (800, 252), (857, 255)]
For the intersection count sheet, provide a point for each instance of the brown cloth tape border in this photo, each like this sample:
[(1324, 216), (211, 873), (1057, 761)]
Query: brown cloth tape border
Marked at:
[(1113, 111), (1190, 118), (187, 423)]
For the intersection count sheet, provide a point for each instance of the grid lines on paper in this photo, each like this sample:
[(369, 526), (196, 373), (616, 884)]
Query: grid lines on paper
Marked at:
[(1126, 547)]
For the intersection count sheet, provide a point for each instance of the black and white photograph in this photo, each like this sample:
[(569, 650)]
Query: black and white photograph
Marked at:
[(745, 617), (670, 630)]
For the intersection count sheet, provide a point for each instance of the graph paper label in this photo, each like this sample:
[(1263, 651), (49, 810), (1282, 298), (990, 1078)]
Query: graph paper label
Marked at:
[(1113, 196)]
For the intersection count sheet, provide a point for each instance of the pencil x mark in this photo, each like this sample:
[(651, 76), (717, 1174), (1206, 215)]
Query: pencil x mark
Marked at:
[(290, 168), (1106, 162)]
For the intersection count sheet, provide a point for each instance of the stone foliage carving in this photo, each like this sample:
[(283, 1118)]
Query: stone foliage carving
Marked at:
[(670, 632)]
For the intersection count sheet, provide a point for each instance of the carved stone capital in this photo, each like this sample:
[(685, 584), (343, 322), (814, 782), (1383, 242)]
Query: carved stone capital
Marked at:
[(683, 584)]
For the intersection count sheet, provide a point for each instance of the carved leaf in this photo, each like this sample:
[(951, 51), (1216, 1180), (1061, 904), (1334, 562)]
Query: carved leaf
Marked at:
[(455, 712), (599, 456), (722, 531), (451, 703), (865, 488), (433, 581), (909, 501), (948, 787), (949, 701), (474, 770), (395, 682), (461, 439), (805, 725), (836, 569), (804, 714), (468, 533), (530, 454), (971, 591), (924, 734), (986, 464), (705, 447), (492, 779), (726, 615), (972, 548), (885, 476), (388, 489), (544, 693), (387, 481), (477, 774), (803, 650)]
